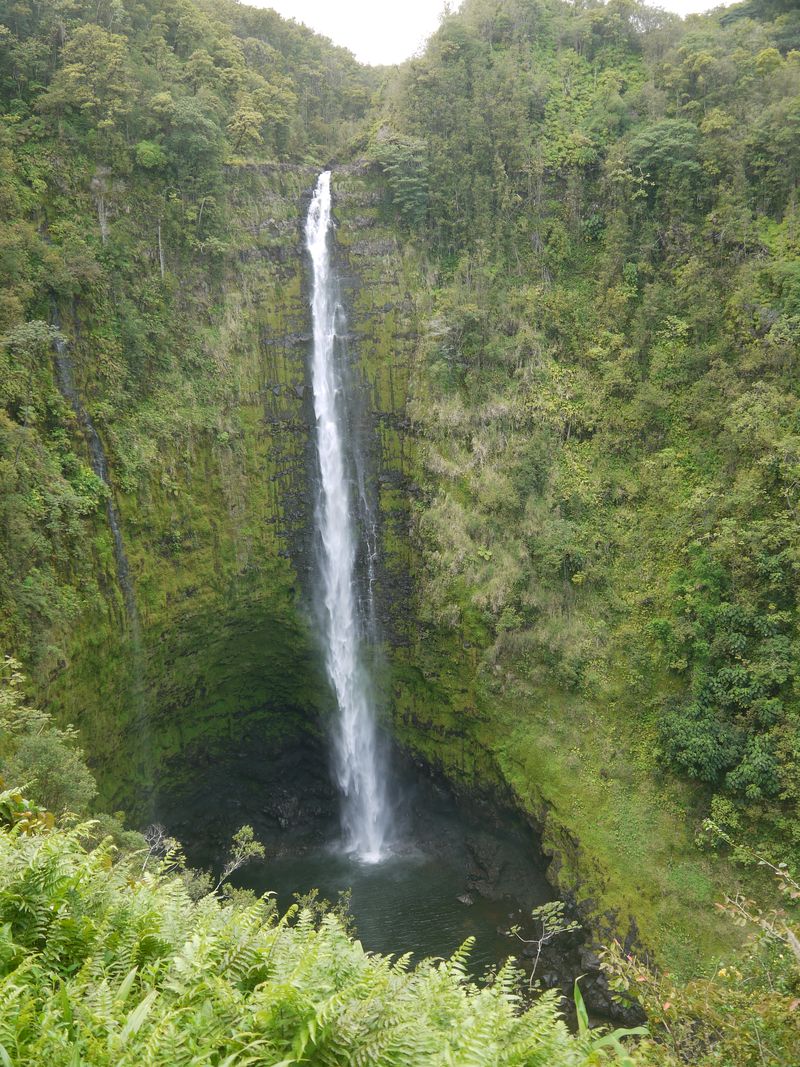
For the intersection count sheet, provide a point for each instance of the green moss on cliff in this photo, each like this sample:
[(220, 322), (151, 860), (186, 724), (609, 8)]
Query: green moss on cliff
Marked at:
[(582, 771), (177, 282)]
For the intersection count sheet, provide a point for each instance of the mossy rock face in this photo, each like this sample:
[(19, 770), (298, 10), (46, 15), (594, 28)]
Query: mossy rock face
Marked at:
[(216, 531), (215, 502), (381, 313), (619, 838), (217, 523)]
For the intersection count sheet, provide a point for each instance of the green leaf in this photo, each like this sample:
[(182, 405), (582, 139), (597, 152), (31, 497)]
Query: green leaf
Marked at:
[(580, 1009), (138, 1016), (125, 987)]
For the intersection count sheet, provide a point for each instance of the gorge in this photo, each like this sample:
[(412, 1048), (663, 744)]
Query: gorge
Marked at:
[(443, 867), (407, 459)]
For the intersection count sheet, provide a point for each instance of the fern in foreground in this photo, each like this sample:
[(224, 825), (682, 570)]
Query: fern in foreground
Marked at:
[(103, 963)]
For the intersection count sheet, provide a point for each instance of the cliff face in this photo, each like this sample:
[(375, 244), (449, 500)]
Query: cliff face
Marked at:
[(217, 535), (154, 455), (210, 658)]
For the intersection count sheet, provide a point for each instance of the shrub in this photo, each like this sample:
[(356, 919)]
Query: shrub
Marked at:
[(106, 963)]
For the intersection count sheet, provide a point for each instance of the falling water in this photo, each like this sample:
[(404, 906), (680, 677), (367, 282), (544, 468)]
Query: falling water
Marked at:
[(358, 757), (99, 465), (98, 461)]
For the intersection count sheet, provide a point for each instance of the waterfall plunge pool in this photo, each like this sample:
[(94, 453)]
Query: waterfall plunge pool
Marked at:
[(455, 869), (411, 901)]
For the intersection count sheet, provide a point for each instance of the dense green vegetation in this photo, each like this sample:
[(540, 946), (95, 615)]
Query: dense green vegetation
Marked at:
[(115, 953), (126, 117), (121, 128), (608, 406), (588, 214), (615, 196), (36, 750), (108, 962), (112, 949)]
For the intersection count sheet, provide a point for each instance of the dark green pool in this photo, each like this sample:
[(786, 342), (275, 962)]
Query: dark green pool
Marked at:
[(455, 870)]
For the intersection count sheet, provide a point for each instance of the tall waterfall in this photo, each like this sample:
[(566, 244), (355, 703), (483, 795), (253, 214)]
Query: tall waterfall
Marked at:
[(358, 756)]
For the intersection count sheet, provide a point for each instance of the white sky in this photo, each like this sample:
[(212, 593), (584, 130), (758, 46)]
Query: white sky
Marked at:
[(388, 31)]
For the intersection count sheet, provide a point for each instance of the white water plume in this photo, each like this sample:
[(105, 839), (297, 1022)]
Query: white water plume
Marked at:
[(358, 756)]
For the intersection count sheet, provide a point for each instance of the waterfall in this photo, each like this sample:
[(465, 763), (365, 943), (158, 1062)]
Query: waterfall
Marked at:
[(359, 760), (98, 461), (99, 465)]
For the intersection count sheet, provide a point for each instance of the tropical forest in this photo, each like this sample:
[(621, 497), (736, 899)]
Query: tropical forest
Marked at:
[(399, 538)]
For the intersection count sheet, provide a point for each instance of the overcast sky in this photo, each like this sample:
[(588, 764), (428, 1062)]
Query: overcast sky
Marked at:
[(388, 31)]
